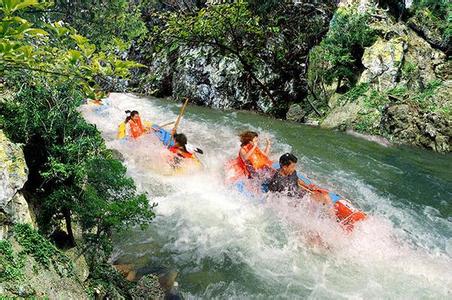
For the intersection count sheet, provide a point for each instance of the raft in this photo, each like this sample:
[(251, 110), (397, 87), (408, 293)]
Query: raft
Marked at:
[(346, 214)]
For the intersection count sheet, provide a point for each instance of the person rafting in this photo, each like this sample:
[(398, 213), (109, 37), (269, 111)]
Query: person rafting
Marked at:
[(132, 126), (285, 180), (180, 151), (255, 161)]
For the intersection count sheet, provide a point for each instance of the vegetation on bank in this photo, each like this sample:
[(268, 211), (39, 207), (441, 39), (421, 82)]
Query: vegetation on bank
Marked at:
[(269, 40), (75, 184)]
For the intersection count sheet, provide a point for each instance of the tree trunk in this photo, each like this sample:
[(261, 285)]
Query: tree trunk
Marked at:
[(67, 218)]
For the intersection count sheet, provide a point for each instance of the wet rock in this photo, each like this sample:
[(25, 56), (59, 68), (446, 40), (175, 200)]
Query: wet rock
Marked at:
[(127, 270), (342, 115), (148, 287), (409, 125), (210, 79), (295, 113)]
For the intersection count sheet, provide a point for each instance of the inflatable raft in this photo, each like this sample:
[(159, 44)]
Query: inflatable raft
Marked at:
[(346, 213)]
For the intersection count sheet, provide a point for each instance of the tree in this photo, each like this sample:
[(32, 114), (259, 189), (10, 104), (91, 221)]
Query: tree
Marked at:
[(53, 48), (50, 69)]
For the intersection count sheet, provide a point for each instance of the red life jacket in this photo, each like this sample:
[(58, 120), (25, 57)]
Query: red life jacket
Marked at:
[(136, 127), (180, 152)]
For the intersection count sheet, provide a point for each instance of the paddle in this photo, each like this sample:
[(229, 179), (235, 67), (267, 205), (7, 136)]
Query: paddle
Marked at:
[(182, 111)]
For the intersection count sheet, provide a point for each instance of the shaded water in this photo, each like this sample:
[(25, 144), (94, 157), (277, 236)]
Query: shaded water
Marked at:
[(227, 246)]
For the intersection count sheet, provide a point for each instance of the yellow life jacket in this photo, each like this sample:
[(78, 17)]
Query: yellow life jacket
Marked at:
[(121, 131)]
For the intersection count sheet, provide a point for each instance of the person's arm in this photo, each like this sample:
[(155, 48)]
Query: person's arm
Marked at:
[(267, 147), (245, 155)]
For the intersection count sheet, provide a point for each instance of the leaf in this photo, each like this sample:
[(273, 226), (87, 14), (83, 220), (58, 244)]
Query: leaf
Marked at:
[(35, 31)]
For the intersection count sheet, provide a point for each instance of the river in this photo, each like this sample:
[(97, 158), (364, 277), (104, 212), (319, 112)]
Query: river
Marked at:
[(225, 245)]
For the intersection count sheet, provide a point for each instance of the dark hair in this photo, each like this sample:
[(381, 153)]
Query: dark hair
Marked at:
[(181, 139), (246, 137), (130, 114), (286, 159)]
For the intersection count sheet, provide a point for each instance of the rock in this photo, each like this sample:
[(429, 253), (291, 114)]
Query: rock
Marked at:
[(148, 287), (210, 79), (13, 175), (127, 270), (383, 61), (342, 115), (407, 124), (81, 268), (422, 24), (42, 282), (295, 113)]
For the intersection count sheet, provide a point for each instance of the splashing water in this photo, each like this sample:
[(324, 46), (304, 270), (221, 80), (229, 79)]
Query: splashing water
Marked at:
[(228, 246)]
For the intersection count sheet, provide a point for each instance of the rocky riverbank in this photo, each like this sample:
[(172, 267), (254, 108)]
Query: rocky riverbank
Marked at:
[(30, 263), (396, 86)]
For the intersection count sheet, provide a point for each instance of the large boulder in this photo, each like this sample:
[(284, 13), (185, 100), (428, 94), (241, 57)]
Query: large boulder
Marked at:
[(210, 79), (382, 61), (13, 175)]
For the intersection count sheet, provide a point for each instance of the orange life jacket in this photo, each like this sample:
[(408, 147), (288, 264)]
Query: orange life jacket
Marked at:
[(257, 159), (136, 128), (180, 152), (236, 168)]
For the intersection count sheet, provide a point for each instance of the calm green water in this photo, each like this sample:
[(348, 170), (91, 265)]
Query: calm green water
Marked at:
[(227, 246)]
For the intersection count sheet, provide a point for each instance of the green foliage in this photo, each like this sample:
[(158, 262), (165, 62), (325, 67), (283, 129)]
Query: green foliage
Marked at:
[(104, 277), (110, 25), (44, 253), (337, 59), (355, 93), (69, 154), (109, 201), (11, 263), (52, 48), (436, 15)]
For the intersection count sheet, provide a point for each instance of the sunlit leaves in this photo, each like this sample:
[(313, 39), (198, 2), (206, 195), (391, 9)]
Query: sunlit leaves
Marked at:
[(53, 49)]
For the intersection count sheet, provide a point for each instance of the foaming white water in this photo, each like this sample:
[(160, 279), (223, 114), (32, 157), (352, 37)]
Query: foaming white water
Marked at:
[(228, 246)]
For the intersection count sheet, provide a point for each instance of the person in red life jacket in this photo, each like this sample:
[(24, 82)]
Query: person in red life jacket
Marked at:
[(256, 163), (180, 149)]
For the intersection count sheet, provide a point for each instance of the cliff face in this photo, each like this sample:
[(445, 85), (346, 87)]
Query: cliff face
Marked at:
[(403, 92), (22, 272), (215, 78), (13, 175)]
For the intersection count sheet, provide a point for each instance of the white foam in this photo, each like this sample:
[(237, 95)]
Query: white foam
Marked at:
[(267, 250)]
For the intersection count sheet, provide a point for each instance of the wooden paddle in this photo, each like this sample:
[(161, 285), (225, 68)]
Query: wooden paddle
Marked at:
[(182, 111)]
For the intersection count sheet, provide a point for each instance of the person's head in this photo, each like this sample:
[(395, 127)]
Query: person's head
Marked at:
[(181, 140), (128, 117), (134, 115), (288, 163), (248, 137)]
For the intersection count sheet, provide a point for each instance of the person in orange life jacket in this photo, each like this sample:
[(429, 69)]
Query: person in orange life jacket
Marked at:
[(134, 125), (256, 161)]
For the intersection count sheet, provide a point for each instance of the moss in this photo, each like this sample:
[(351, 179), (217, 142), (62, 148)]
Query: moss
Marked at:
[(44, 252), (11, 263)]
